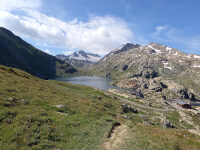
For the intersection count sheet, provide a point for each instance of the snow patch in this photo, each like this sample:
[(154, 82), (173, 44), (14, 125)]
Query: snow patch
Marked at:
[(188, 56), (165, 65), (157, 50), (198, 66), (93, 58), (79, 57), (196, 56), (105, 58), (168, 67), (89, 57), (168, 48)]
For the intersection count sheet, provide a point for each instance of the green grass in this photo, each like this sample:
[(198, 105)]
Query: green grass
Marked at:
[(151, 137), (38, 123), (83, 122)]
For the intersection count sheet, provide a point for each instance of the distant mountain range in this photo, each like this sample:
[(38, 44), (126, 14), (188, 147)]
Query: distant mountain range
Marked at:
[(14, 52), (81, 59)]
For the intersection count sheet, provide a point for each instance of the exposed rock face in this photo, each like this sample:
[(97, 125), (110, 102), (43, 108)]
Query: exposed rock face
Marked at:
[(153, 68), (146, 73), (162, 120), (124, 48), (185, 94), (149, 73)]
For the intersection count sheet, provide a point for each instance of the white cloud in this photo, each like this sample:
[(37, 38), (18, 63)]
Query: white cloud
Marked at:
[(159, 30), (68, 52), (98, 35), (18, 4), (195, 42), (48, 51), (172, 35)]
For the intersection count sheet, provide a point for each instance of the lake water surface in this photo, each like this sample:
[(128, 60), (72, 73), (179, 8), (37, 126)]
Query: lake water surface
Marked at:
[(100, 82)]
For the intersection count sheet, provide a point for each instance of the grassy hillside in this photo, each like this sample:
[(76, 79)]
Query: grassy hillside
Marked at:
[(40, 114), (14, 52)]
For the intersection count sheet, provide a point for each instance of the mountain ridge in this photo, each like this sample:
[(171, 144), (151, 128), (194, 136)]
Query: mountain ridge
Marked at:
[(80, 59), (165, 71), (15, 52)]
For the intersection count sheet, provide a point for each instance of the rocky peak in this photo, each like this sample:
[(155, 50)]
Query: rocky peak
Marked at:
[(125, 47), (82, 53)]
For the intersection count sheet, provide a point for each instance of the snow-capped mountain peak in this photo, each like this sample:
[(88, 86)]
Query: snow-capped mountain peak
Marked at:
[(80, 55)]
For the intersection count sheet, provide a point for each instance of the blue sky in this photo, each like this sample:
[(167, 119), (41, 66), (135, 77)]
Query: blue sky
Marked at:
[(99, 26)]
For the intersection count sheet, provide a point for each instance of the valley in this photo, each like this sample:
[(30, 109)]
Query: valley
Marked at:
[(136, 97), (54, 114)]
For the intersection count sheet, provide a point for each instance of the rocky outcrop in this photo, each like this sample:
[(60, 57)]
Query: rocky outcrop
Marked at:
[(184, 117), (166, 123), (127, 109), (157, 85), (186, 94), (138, 93), (149, 73), (146, 73)]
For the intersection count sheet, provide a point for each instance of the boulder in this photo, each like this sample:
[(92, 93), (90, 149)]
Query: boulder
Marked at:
[(60, 106), (24, 101), (99, 97), (127, 109), (10, 102)]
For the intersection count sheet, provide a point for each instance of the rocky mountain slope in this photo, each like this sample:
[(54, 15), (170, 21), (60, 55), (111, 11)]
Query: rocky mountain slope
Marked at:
[(14, 52), (157, 71), (81, 59)]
